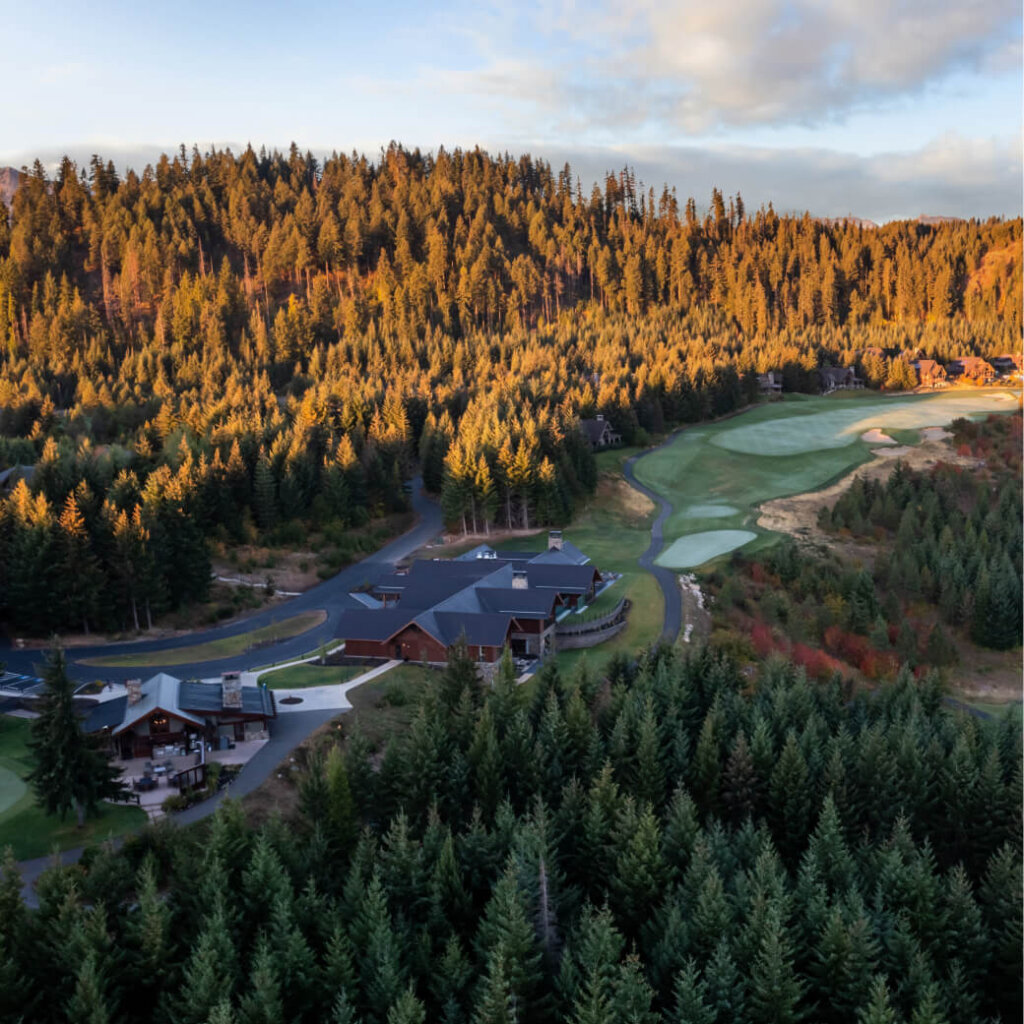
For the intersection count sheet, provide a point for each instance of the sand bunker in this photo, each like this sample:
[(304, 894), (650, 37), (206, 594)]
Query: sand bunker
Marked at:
[(892, 453), (875, 436), (698, 548), (935, 434), (708, 511)]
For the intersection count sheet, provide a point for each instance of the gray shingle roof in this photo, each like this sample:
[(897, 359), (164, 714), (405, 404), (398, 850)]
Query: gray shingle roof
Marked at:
[(160, 692), (537, 603), (208, 698), (107, 714), (481, 628), (372, 624)]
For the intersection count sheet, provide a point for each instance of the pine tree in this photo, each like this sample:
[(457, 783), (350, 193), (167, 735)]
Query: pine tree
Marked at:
[(72, 770)]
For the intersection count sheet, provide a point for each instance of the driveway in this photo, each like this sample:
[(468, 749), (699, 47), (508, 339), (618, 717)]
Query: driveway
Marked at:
[(331, 596)]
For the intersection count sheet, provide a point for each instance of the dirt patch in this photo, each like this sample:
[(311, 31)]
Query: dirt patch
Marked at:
[(990, 676), (935, 434), (292, 571), (634, 504), (798, 515)]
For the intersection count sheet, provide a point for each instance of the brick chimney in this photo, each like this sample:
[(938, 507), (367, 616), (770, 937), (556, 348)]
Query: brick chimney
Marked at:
[(554, 540), (519, 580), (231, 689), (134, 688)]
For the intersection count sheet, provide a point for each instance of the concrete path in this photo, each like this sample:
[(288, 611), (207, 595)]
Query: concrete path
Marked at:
[(665, 577), (327, 698), (330, 596)]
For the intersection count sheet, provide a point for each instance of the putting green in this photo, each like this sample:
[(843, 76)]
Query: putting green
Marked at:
[(708, 511), (843, 425), (12, 789), (698, 548)]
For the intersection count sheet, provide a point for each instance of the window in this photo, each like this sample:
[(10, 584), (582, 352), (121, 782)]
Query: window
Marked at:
[(159, 723)]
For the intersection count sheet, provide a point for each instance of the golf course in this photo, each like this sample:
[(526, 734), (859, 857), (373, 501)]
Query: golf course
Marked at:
[(715, 475)]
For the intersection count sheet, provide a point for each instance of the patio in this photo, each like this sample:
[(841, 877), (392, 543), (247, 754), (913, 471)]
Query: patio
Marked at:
[(164, 769)]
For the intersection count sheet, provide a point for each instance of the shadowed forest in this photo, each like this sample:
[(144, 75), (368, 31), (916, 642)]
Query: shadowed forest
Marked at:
[(671, 844), (247, 348)]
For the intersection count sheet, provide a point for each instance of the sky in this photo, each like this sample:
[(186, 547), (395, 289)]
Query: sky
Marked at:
[(877, 108)]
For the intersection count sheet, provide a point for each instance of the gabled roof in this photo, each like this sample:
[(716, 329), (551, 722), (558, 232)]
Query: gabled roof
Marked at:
[(372, 624), (208, 698), (108, 714), (160, 693), (568, 554), (481, 628), (569, 579)]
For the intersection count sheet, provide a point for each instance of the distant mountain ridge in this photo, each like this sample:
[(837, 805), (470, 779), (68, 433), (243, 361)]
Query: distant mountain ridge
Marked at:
[(932, 220), (9, 181)]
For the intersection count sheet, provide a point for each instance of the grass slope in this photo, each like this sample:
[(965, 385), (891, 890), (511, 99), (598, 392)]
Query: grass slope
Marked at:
[(23, 825), (213, 650), (737, 463)]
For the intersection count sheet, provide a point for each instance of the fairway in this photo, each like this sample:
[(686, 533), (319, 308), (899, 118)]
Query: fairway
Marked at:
[(842, 425), (12, 789), (698, 548), (715, 475)]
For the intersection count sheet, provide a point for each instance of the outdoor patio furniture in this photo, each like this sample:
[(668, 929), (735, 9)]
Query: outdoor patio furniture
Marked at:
[(145, 784)]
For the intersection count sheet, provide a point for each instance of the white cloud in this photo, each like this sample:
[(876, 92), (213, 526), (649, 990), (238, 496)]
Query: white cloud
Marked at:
[(699, 65)]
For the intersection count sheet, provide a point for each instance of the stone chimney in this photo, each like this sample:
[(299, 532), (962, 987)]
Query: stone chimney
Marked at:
[(231, 689), (554, 540), (134, 688), (519, 581)]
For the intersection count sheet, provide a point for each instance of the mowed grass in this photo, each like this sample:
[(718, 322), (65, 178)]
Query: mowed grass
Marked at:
[(698, 548), (614, 529), (737, 463), (23, 825), (214, 650), (300, 677)]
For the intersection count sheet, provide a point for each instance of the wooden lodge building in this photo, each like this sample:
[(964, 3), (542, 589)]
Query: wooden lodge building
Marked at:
[(599, 433), (164, 711), (489, 598)]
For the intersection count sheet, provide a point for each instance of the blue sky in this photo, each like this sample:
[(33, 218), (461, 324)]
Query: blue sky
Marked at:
[(882, 108)]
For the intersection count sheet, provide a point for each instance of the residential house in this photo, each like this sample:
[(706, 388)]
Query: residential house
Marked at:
[(971, 369), (838, 378), (167, 712), (930, 374), (489, 599), (1008, 364), (599, 433), (770, 383)]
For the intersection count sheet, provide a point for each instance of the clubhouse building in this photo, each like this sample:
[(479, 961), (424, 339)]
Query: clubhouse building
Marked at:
[(490, 599)]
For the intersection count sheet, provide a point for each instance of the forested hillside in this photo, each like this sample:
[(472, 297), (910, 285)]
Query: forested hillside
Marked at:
[(683, 845), (232, 346)]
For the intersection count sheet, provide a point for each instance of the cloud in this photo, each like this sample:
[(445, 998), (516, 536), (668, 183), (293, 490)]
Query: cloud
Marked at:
[(951, 176), (701, 65)]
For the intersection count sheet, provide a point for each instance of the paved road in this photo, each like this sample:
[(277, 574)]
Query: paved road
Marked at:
[(330, 596), (665, 577)]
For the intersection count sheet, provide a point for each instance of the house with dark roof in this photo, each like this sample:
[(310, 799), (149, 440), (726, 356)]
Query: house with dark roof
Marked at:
[(971, 369), (599, 433), (488, 598), (166, 711), (930, 374), (838, 378), (10, 476), (770, 383), (1008, 365)]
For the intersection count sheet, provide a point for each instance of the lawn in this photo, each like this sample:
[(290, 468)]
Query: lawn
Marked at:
[(213, 650), (716, 474), (23, 825), (299, 677)]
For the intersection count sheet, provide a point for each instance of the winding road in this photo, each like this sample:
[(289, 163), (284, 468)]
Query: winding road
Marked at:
[(665, 577), (331, 597)]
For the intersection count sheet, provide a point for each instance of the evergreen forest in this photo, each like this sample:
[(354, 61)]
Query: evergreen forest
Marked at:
[(675, 843), (248, 347)]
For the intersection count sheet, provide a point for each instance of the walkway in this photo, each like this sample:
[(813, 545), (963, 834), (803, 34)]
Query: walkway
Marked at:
[(326, 698), (666, 578)]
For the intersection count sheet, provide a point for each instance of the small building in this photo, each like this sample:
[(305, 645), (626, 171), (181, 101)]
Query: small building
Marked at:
[(164, 711), (487, 598), (930, 374), (838, 378), (971, 369), (599, 433), (1008, 364), (770, 383)]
